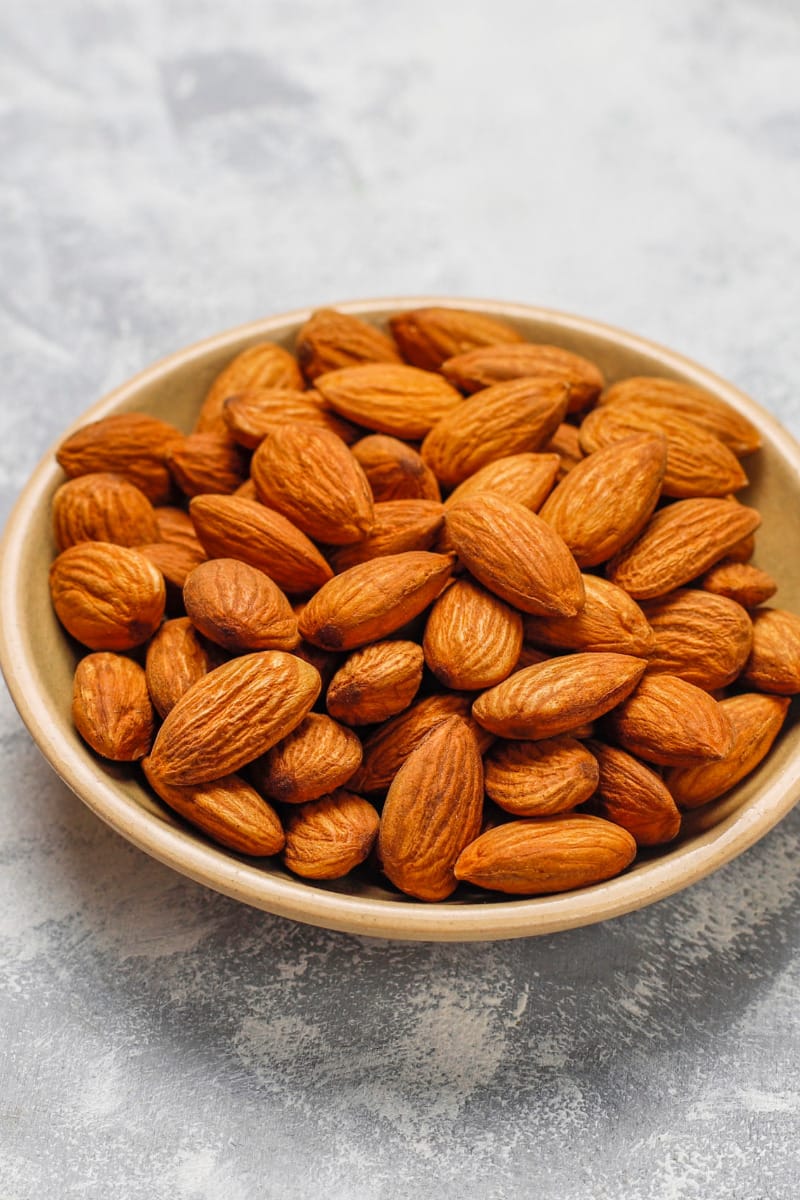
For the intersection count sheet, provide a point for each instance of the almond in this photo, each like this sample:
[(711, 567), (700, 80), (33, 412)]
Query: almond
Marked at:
[(400, 525), (232, 715), (428, 336), (226, 809), (756, 722), (330, 836), (529, 656), (547, 854), (525, 478), (108, 597), (745, 584), (111, 707), (488, 365), (679, 543), (376, 682), (700, 637), (311, 477), (233, 527), (102, 508), (176, 658), (516, 555), (472, 639), (535, 779), (132, 445), (247, 491), (607, 499), (671, 722), (325, 662), (176, 528), (566, 443), (375, 598), (633, 796), (509, 418), (709, 412), (432, 812), (774, 662), (317, 757), (394, 470), (330, 340), (175, 563), (554, 697), (207, 462), (399, 400), (239, 607), (251, 416), (609, 622), (265, 365)]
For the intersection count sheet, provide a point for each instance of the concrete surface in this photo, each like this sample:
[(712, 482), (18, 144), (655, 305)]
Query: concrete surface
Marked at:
[(170, 168)]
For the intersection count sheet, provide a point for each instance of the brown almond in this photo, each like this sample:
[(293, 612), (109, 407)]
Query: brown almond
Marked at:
[(207, 463), (432, 812), (100, 507), (265, 365), (566, 443), (774, 662), (394, 470), (536, 779), (176, 528), (310, 476), (317, 757), (607, 499), (330, 340), (525, 478), (133, 445), (400, 525), (547, 854), (743, 551), (530, 655), (376, 682), (671, 722), (247, 491), (709, 412), (698, 636), (745, 584), (472, 639), (556, 696), (111, 707), (399, 400), (108, 597), (239, 607), (251, 416), (176, 658), (633, 796), (488, 365), (175, 562), (609, 622), (428, 336), (327, 838)]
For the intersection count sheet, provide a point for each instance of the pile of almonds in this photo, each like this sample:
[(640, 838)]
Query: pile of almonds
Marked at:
[(437, 598)]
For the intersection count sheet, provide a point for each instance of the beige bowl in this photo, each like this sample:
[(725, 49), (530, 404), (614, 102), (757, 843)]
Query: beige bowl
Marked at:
[(38, 661)]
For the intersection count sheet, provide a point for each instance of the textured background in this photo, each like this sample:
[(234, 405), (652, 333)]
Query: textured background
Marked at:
[(170, 168)]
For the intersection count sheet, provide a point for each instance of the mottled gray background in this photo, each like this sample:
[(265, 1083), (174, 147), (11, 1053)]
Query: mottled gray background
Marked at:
[(169, 168)]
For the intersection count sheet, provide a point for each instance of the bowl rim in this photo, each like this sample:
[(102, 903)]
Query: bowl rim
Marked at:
[(393, 918)]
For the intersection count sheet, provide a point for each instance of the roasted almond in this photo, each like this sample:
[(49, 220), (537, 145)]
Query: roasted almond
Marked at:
[(525, 478), (376, 682), (108, 597), (774, 662), (566, 443), (265, 365), (132, 445), (176, 528), (671, 722), (609, 622), (317, 757), (111, 707), (428, 336), (102, 508), (329, 837), (399, 400), (330, 340), (251, 416), (698, 636), (394, 470), (207, 462), (745, 584), (175, 562), (176, 658), (631, 795), (400, 525), (239, 607), (536, 779), (488, 365), (709, 412), (472, 638)]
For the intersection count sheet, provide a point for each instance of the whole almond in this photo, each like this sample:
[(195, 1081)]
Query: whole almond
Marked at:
[(566, 443), (310, 476), (399, 400), (375, 598), (176, 528), (329, 837), (100, 507), (400, 525), (679, 543), (607, 499), (376, 682), (536, 779), (132, 445), (251, 416), (232, 715), (176, 658), (554, 697), (525, 478), (108, 597), (317, 757), (207, 462), (227, 809), (111, 707), (432, 812), (472, 638), (394, 470), (774, 662), (609, 622), (265, 365), (330, 340), (698, 636), (547, 854), (488, 365), (516, 555), (239, 607), (175, 563), (631, 795), (233, 527), (530, 655), (709, 412), (428, 336), (745, 584), (672, 723), (756, 722)]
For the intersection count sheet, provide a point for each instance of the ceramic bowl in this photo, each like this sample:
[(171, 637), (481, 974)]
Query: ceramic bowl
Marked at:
[(38, 661)]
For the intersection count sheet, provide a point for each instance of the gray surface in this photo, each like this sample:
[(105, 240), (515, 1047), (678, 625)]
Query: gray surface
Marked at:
[(171, 168)]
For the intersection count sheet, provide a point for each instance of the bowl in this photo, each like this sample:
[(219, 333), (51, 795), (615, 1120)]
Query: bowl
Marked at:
[(38, 661)]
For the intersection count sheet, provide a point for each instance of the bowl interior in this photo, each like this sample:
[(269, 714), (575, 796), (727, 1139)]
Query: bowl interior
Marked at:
[(38, 660)]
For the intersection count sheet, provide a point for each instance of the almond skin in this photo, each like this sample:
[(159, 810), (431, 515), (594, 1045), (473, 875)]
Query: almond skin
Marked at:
[(175, 527), (317, 757), (756, 722), (239, 607), (607, 499), (227, 809), (132, 445), (251, 416), (108, 597), (428, 336), (175, 563), (329, 837), (111, 707), (394, 470), (745, 584), (176, 658), (509, 418), (265, 365), (556, 696), (547, 854), (330, 340), (774, 662), (207, 462), (536, 779), (232, 715), (102, 508), (526, 478), (399, 400), (679, 543), (376, 682), (516, 555), (700, 637), (433, 810), (311, 477), (566, 443), (708, 412), (671, 722), (633, 796), (400, 525), (609, 622), (472, 639), (488, 365), (375, 598), (233, 527)]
